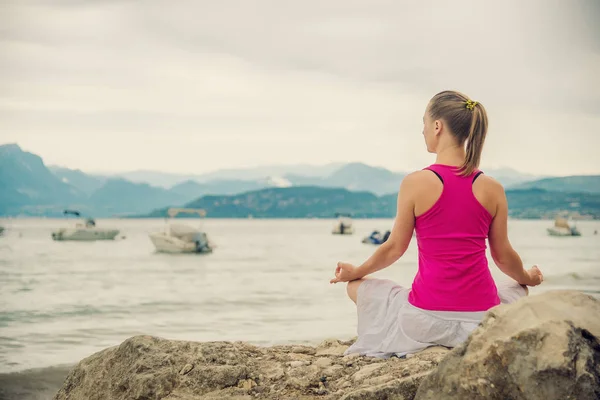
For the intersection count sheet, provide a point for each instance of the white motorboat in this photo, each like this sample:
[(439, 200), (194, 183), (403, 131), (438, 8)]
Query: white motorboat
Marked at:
[(86, 231), (343, 225), (180, 238), (562, 228)]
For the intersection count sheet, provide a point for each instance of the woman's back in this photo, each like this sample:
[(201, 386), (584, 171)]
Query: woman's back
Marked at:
[(453, 210), (452, 226)]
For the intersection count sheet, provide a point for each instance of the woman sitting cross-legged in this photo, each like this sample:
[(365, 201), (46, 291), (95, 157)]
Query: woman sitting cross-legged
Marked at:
[(453, 208)]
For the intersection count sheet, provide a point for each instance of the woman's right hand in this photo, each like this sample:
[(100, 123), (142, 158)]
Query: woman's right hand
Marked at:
[(344, 272), (535, 276)]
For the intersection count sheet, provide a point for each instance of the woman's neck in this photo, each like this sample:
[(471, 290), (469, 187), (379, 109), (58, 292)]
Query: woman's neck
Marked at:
[(453, 155)]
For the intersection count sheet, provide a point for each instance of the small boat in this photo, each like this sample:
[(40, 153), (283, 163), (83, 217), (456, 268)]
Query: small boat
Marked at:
[(562, 228), (86, 231), (180, 238), (343, 225), (377, 238)]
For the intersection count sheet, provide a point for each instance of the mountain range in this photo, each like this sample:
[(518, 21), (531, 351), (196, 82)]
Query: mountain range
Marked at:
[(320, 202), (29, 187), (167, 180)]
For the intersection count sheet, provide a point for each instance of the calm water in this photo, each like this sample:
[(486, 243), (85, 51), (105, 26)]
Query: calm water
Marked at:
[(267, 282)]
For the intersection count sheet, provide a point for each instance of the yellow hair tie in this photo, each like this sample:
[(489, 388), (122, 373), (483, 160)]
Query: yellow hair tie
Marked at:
[(471, 104)]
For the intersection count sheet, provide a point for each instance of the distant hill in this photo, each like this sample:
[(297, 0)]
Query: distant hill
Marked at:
[(358, 176), (577, 183), (88, 184), (355, 176), (167, 180), (352, 176), (509, 177), (191, 189), (25, 181), (319, 202), (540, 203), (156, 178), (292, 202), (28, 187), (119, 196)]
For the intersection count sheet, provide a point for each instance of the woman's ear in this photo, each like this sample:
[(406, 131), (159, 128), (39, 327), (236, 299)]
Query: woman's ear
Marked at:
[(437, 126)]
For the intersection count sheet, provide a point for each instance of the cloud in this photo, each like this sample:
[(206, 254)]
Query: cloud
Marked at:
[(293, 81)]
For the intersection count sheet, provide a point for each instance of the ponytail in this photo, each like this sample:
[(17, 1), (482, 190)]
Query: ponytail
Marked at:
[(468, 123), (475, 140)]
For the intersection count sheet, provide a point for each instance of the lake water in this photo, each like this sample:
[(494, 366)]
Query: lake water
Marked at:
[(267, 282)]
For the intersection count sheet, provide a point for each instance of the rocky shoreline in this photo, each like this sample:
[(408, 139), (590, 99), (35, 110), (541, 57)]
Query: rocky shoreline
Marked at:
[(542, 347)]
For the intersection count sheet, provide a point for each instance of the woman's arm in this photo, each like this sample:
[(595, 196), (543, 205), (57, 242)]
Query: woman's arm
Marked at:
[(401, 234), (505, 257)]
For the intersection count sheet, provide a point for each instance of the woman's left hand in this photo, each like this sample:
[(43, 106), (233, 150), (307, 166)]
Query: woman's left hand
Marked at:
[(344, 272)]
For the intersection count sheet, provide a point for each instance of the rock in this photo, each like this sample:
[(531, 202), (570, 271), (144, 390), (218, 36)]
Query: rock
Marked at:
[(350, 359), (303, 350), (151, 368), (186, 369), (246, 384), (397, 389), (332, 371), (331, 347), (323, 362), (542, 347), (321, 390), (296, 364), (300, 357), (366, 371)]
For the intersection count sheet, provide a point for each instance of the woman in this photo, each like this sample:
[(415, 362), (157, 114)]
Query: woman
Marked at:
[(453, 208)]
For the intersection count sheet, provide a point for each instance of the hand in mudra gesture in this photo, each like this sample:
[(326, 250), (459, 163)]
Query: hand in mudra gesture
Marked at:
[(344, 272), (535, 276)]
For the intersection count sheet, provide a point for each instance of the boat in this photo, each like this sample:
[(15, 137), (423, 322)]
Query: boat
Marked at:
[(562, 228), (85, 231), (377, 238), (181, 238), (343, 225)]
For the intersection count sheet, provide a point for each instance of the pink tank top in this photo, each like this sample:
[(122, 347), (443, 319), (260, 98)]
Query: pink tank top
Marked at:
[(453, 269)]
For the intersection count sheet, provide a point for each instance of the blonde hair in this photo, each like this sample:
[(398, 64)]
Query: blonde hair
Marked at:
[(467, 121)]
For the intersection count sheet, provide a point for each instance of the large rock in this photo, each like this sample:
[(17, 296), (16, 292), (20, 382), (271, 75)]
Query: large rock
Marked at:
[(148, 368), (542, 347)]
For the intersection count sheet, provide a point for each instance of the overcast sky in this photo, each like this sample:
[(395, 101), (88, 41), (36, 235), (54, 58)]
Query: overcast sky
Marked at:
[(194, 86)]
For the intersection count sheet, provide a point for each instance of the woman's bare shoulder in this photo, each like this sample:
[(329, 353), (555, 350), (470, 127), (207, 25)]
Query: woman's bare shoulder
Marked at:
[(419, 177), (489, 185), (418, 181)]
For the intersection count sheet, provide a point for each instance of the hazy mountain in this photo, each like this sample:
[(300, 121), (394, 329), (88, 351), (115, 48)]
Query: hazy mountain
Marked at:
[(167, 180), (262, 172), (509, 177), (578, 183), (29, 187), (352, 176), (355, 176), (26, 181), (191, 189), (157, 178), (358, 176), (119, 197), (86, 183)]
